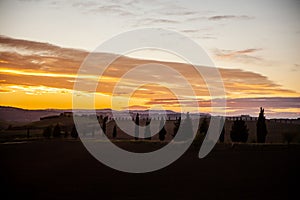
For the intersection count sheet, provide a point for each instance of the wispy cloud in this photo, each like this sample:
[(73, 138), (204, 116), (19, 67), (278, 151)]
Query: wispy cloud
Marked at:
[(179, 12), (296, 68), (136, 107), (152, 21), (270, 102), (29, 48), (171, 9), (155, 21), (235, 106), (244, 56), (217, 17), (230, 17), (191, 31), (202, 33), (109, 8), (233, 53)]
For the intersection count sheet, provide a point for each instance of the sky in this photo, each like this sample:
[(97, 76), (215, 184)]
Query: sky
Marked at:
[(255, 44)]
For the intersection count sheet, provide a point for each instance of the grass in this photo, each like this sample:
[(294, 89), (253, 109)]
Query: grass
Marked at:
[(58, 169), (19, 135)]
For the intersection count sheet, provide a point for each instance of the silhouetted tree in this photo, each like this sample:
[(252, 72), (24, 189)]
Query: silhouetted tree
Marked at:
[(74, 133), (204, 126), (114, 132), (239, 131), (261, 128), (9, 127), (222, 136), (176, 126), (147, 130), (288, 136), (104, 124), (47, 132), (66, 133), (188, 127), (56, 131), (186, 131), (162, 133), (136, 130)]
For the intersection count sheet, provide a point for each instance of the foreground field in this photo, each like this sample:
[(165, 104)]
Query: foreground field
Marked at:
[(63, 169)]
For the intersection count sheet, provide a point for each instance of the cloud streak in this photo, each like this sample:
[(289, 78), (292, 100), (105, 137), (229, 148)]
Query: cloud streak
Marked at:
[(230, 17), (236, 106), (242, 56), (296, 68)]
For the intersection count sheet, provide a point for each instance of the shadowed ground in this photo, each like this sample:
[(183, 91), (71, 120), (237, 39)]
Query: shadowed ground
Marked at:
[(63, 169)]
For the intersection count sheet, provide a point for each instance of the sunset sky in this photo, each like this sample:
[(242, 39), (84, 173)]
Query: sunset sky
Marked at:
[(255, 44)]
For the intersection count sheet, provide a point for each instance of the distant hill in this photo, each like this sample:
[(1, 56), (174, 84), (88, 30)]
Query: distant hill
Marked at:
[(11, 114)]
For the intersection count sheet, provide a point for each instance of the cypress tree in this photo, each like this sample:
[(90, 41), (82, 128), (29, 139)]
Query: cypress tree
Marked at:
[(114, 132), (222, 136), (136, 130), (203, 127), (186, 132), (162, 133), (261, 128), (104, 124), (74, 133), (147, 130), (56, 131), (176, 126)]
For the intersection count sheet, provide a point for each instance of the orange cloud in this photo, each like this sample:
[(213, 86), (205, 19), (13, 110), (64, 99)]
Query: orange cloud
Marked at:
[(40, 75)]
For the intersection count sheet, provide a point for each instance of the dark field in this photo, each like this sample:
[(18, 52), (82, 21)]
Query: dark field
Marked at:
[(63, 169)]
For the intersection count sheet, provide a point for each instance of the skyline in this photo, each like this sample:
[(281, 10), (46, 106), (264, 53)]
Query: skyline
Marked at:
[(255, 45)]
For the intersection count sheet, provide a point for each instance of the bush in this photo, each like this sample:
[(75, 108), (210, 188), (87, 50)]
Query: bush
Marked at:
[(288, 137), (74, 133), (239, 131), (56, 131), (47, 132)]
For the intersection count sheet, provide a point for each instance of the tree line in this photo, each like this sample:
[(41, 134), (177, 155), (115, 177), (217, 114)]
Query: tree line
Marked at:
[(56, 132), (182, 130)]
